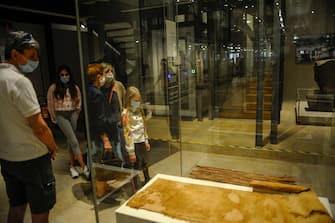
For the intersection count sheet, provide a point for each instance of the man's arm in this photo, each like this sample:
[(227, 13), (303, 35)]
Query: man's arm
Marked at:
[(43, 133), (50, 102)]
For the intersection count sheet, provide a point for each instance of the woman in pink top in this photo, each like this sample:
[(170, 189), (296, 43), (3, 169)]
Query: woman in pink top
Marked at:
[(64, 106)]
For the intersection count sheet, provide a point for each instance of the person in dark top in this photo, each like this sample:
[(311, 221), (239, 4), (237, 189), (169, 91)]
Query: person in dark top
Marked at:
[(114, 93), (96, 112)]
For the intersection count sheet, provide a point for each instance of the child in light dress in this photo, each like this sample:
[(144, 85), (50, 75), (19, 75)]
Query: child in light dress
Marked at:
[(135, 131)]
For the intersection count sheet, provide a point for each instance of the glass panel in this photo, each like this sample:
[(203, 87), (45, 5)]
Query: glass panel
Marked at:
[(227, 86), (221, 82), (217, 48), (138, 38), (256, 88)]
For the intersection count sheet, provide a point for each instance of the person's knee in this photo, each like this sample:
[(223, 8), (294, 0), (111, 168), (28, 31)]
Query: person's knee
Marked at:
[(74, 146)]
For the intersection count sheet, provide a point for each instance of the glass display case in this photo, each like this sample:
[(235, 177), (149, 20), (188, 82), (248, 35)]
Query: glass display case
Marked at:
[(314, 108), (108, 179)]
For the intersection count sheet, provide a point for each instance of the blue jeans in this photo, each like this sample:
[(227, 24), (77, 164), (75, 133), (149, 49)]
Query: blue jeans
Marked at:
[(118, 145), (97, 150)]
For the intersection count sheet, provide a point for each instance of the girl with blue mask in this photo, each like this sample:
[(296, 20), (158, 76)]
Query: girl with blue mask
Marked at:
[(135, 105), (135, 132), (64, 106)]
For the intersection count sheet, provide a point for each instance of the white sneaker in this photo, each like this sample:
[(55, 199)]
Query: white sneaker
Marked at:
[(74, 173), (86, 172)]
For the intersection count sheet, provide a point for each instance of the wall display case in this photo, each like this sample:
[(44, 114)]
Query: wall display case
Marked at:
[(313, 108)]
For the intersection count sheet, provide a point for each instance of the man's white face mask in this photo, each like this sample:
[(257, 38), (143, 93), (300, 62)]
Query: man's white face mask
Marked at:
[(29, 67)]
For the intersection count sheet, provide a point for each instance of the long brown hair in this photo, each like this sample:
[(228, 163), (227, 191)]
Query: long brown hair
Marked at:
[(60, 89)]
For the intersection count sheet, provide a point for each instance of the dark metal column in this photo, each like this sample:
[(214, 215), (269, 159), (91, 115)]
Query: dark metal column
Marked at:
[(88, 136), (276, 49), (211, 64), (260, 72), (51, 58)]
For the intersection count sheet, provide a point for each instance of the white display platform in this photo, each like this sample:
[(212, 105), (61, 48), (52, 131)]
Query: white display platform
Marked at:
[(326, 204), (312, 117), (125, 214)]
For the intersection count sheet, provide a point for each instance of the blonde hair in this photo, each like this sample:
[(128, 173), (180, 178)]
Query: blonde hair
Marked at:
[(132, 92), (105, 66)]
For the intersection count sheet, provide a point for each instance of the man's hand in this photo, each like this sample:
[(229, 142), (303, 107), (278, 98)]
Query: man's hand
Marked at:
[(147, 146), (106, 143), (43, 133), (108, 146), (53, 153), (132, 158)]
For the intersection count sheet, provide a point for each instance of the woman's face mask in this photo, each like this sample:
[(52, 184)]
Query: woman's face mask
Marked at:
[(65, 79), (64, 76), (109, 77)]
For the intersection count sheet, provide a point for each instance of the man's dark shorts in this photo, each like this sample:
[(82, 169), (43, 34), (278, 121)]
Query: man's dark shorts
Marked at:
[(30, 182)]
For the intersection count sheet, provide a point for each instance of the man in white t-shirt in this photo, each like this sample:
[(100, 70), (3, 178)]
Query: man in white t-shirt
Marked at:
[(27, 144)]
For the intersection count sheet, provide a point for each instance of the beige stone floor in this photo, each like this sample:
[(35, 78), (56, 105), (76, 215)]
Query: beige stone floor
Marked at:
[(305, 152), (74, 204)]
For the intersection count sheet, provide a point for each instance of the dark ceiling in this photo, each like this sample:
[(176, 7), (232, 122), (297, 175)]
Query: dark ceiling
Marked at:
[(63, 11), (60, 11), (46, 11)]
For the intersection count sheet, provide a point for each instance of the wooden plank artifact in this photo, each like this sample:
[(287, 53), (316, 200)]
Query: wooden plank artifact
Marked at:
[(235, 177)]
